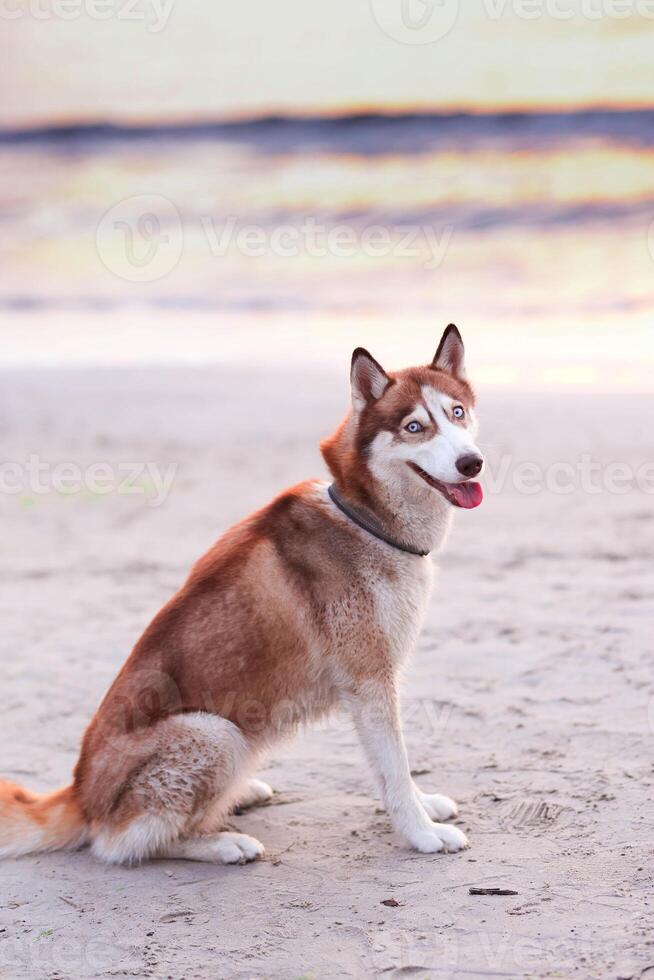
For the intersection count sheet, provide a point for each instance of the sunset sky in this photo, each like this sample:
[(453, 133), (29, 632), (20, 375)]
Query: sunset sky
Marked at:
[(179, 58)]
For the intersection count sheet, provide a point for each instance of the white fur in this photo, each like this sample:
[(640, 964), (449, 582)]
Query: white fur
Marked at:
[(376, 716), (254, 793), (17, 840), (438, 807), (400, 606), (143, 837), (453, 440), (422, 511), (225, 848)]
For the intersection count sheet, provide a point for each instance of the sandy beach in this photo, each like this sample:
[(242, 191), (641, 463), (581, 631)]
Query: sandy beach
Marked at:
[(529, 699)]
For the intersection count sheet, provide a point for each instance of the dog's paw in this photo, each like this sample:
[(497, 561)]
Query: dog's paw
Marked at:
[(229, 848), (255, 793), (440, 837), (438, 807), (224, 848)]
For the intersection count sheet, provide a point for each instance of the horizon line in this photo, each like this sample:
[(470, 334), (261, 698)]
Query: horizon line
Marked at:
[(110, 126)]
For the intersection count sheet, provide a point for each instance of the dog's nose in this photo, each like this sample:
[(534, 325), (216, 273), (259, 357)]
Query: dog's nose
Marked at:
[(469, 465)]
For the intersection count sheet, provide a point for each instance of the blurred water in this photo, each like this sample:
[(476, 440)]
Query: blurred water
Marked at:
[(531, 221)]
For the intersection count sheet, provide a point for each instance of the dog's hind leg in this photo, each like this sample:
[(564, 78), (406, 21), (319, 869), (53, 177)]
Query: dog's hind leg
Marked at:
[(182, 779), (224, 848)]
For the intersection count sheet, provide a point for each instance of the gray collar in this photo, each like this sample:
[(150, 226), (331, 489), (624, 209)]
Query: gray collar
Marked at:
[(376, 532)]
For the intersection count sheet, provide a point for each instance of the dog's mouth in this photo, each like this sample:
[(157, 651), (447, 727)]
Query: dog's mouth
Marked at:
[(467, 495)]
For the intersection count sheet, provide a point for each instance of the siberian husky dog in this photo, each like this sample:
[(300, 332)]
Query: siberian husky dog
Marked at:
[(312, 602)]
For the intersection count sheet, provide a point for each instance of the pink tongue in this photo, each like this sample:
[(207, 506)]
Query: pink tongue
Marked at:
[(466, 495)]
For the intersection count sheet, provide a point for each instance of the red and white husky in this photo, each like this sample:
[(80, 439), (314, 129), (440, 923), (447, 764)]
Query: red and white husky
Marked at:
[(314, 601)]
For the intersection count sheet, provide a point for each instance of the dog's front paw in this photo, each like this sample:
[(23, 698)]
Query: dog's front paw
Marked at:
[(440, 837), (438, 807)]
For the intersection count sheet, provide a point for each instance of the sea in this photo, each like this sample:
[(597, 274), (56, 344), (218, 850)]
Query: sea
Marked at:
[(291, 239)]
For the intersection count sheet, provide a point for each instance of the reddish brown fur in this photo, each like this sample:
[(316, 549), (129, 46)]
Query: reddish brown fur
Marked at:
[(222, 646)]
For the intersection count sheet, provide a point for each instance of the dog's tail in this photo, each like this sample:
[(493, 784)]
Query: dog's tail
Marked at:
[(31, 822)]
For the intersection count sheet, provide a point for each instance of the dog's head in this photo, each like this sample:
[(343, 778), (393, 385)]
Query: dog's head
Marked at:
[(410, 431)]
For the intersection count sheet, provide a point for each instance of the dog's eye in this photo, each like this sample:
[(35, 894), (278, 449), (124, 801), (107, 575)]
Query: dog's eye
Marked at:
[(458, 412), (413, 426)]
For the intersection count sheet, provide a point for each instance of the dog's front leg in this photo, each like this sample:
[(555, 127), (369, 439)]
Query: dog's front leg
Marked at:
[(377, 720)]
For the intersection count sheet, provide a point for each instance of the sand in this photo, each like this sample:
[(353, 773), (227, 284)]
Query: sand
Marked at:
[(530, 697)]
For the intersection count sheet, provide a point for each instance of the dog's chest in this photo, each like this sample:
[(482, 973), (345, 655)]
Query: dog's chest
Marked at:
[(400, 603)]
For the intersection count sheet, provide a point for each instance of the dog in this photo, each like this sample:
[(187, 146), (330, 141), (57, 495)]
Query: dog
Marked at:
[(313, 602)]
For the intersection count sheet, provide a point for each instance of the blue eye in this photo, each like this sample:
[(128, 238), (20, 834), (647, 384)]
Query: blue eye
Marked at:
[(413, 426), (458, 412)]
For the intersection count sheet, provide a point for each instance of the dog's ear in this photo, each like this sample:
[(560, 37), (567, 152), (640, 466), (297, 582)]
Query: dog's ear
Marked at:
[(450, 355), (368, 379)]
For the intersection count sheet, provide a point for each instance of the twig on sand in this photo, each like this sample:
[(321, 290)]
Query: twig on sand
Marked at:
[(276, 858), (491, 891), (68, 901)]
